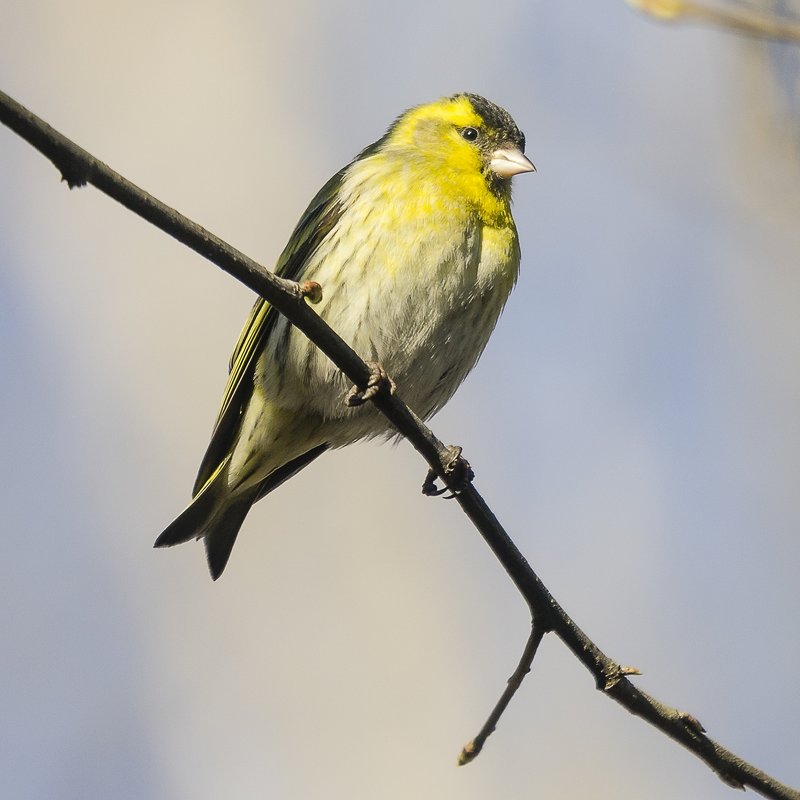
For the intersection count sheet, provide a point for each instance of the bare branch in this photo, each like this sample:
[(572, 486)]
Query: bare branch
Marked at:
[(473, 748), (762, 26), (78, 167)]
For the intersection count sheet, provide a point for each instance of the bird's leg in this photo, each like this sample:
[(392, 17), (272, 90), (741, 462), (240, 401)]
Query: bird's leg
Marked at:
[(457, 470), (378, 382)]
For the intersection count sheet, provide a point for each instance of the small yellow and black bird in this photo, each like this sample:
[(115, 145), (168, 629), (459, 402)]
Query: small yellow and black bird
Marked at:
[(416, 251)]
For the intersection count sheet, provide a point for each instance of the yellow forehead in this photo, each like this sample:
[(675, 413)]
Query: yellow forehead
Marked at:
[(453, 111)]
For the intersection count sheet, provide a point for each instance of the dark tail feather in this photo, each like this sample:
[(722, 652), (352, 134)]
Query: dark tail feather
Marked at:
[(215, 517), (216, 522), (222, 533), (192, 523), (198, 515)]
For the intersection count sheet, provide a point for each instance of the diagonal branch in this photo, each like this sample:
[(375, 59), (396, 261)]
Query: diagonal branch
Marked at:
[(78, 167)]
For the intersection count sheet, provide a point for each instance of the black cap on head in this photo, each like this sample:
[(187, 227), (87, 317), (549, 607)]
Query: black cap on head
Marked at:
[(496, 117)]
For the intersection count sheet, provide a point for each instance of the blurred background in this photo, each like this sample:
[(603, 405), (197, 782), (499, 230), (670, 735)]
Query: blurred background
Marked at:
[(633, 422)]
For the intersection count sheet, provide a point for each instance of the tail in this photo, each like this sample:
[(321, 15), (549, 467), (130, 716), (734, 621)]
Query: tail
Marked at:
[(216, 517), (219, 540), (218, 527)]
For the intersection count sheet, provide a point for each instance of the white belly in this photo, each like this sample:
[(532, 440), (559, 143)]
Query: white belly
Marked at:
[(427, 325)]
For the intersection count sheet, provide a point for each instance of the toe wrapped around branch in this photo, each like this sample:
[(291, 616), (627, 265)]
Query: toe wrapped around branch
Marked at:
[(379, 382), (457, 471)]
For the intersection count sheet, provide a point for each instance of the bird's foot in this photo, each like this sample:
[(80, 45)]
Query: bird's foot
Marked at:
[(378, 382), (457, 470)]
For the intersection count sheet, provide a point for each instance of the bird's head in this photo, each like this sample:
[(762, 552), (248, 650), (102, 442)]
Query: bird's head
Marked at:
[(464, 133)]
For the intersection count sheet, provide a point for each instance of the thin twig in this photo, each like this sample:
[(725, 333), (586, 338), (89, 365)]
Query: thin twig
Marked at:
[(473, 748), (750, 23), (79, 167)]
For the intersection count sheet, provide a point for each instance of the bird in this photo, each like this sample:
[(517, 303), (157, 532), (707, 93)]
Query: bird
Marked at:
[(416, 251)]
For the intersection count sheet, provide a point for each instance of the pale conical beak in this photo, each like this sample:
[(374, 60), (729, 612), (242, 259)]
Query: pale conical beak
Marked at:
[(509, 161)]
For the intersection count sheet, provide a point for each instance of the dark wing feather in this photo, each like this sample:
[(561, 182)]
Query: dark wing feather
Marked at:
[(316, 223), (288, 470)]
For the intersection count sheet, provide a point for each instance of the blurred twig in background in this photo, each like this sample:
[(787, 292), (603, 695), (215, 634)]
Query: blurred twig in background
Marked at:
[(740, 20)]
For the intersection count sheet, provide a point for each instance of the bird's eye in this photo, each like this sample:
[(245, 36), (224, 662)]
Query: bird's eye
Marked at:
[(470, 134)]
